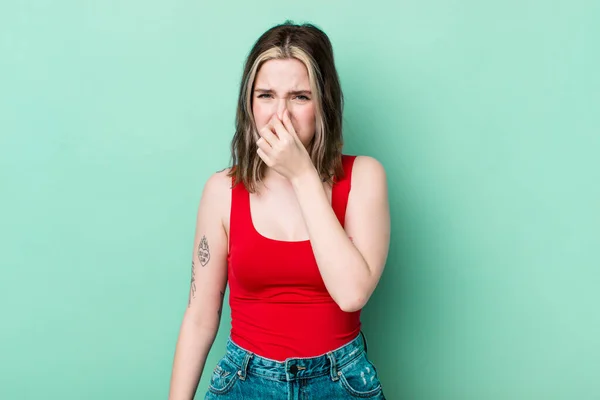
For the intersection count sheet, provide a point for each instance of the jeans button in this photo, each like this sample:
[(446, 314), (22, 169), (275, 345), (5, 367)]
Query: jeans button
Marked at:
[(294, 369)]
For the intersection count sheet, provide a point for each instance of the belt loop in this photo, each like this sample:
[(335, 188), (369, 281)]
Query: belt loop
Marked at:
[(333, 367), (242, 372), (364, 340)]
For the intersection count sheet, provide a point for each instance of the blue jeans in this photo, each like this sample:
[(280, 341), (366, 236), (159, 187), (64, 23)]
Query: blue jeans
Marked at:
[(344, 373)]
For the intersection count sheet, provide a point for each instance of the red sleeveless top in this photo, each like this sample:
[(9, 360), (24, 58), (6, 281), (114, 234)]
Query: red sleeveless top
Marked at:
[(280, 307)]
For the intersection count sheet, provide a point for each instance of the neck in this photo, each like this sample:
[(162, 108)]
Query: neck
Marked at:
[(273, 178)]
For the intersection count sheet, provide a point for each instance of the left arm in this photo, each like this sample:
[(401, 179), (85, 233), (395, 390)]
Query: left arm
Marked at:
[(350, 268)]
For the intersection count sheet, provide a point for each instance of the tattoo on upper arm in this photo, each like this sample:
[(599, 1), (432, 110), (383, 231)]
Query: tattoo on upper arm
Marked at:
[(192, 285), (203, 251)]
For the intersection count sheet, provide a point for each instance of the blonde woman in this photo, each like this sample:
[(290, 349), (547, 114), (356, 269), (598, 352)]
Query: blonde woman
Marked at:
[(300, 232)]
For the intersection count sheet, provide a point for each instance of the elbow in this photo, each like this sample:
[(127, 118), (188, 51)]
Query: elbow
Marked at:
[(353, 297), (200, 322), (350, 308), (352, 303)]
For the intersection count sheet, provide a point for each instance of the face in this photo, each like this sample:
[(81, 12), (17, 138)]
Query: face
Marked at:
[(284, 85)]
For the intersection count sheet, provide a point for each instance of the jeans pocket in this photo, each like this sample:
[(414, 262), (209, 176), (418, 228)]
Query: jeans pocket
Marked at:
[(360, 378), (224, 376)]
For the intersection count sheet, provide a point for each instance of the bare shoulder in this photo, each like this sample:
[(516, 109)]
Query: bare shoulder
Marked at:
[(218, 184), (217, 192), (368, 173)]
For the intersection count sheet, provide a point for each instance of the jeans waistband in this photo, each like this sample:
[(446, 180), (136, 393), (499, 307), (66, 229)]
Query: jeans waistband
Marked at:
[(295, 368)]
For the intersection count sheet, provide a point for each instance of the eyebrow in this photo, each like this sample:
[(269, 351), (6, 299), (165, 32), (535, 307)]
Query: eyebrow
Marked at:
[(292, 92)]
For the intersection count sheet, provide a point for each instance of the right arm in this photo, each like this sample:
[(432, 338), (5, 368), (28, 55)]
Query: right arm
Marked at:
[(207, 288)]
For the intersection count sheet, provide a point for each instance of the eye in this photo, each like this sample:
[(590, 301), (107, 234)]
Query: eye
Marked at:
[(264, 96), (302, 97)]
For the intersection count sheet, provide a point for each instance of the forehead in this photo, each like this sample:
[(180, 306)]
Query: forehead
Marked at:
[(287, 73)]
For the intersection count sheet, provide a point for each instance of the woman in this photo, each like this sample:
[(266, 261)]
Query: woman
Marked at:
[(300, 232)]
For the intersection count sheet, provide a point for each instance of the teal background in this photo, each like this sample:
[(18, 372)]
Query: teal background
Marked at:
[(485, 114)]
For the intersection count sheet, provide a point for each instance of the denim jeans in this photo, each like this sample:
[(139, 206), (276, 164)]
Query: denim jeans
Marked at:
[(344, 373)]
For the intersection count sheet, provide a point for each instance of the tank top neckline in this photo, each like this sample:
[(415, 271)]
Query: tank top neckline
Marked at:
[(339, 197), (268, 239)]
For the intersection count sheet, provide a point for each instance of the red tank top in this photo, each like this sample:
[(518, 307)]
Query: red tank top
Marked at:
[(280, 307)]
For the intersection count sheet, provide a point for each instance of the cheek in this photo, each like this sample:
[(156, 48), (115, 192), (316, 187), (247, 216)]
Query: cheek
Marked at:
[(261, 115), (304, 118)]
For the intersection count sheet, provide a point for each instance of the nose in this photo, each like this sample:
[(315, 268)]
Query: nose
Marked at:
[(281, 107)]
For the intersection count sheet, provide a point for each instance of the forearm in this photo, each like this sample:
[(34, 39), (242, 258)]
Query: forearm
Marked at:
[(193, 346), (342, 267)]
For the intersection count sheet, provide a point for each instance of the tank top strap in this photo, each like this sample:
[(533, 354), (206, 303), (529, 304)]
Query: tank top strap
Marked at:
[(341, 189), (239, 217)]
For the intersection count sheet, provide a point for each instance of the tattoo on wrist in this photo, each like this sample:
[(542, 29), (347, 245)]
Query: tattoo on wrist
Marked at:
[(203, 251)]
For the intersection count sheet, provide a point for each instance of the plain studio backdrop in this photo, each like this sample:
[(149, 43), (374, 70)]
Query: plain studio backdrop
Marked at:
[(486, 115)]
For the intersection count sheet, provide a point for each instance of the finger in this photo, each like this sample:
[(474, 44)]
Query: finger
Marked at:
[(272, 122), (267, 134), (287, 122), (264, 157), (280, 129), (263, 145)]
